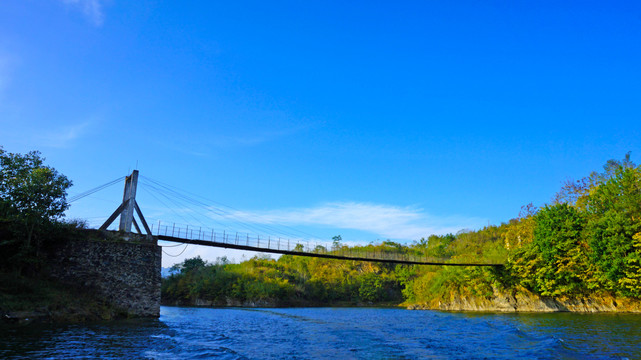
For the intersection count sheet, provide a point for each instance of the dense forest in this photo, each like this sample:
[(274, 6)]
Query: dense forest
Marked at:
[(586, 241)]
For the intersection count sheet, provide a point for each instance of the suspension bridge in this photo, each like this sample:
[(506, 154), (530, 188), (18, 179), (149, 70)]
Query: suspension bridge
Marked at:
[(285, 241)]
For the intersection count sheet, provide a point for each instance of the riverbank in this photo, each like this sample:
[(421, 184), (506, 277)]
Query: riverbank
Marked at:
[(272, 303), (84, 275), (28, 300), (518, 301), (523, 301), (24, 301)]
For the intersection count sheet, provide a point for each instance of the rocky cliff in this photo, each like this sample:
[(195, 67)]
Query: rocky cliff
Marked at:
[(522, 300)]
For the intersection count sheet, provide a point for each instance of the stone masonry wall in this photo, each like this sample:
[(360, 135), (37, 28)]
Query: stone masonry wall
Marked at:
[(123, 272)]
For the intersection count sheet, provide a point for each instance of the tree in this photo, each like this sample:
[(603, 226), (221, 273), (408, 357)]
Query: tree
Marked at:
[(557, 236), (553, 262), (31, 193), (336, 242), (189, 265), (439, 246), (371, 289), (520, 231), (577, 193), (590, 239), (614, 212), (631, 282)]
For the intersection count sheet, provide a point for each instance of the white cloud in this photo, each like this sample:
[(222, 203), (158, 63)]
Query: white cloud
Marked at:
[(4, 74), (386, 221), (64, 136), (255, 139), (41, 136), (91, 8), (6, 64), (203, 143)]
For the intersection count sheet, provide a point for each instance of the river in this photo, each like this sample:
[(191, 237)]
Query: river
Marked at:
[(332, 333)]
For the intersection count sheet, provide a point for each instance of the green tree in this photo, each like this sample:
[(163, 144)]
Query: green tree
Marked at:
[(189, 265), (336, 242), (406, 274), (31, 194), (614, 212), (440, 246), (520, 231), (577, 193), (371, 289), (553, 262), (631, 282)]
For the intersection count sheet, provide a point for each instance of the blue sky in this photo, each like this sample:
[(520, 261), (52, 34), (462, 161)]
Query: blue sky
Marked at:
[(368, 119)]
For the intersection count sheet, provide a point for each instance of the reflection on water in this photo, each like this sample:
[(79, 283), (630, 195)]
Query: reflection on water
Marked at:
[(116, 339), (351, 333)]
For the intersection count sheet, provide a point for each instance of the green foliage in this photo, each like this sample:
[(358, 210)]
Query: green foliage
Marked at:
[(289, 281), (336, 242), (439, 246), (190, 265), (630, 283), (406, 276), (293, 280), (588, 240), (552, 263), (371, 289), (614, 212), (32, 200), (33, 191)]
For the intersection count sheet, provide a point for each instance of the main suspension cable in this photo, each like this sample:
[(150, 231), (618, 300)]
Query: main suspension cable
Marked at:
[(95, 190), (228, 215)]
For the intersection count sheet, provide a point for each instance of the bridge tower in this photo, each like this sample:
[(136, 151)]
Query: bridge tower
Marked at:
[(127, 208)]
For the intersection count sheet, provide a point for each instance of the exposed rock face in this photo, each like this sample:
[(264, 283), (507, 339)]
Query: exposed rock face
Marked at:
[(122, 272), (525, 301)]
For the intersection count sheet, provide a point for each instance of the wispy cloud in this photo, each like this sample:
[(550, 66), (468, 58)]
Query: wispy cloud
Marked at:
[(92, 9), (64, 136), (243, 140), (6, 64), (206, 143), (398, 223), (386, 221)]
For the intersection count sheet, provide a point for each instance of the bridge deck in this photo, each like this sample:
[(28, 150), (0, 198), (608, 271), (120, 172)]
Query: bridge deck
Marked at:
[(392, 258)]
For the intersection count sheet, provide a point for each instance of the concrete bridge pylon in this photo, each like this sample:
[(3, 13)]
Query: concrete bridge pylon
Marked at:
[(127, 208)]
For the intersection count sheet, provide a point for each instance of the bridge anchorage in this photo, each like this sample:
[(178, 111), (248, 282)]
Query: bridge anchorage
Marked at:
[(196, 236)]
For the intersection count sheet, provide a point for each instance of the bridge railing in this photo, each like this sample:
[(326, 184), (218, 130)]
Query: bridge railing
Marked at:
[(236, 238), (277, 244)]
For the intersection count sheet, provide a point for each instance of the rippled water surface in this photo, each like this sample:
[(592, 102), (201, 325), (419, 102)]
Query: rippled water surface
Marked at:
[(336, 333)]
